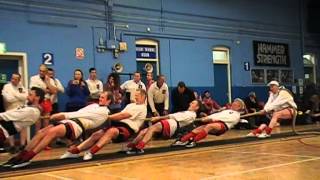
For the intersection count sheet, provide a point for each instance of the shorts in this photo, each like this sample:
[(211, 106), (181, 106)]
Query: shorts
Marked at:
[(125, 131), (73, 130), (223, 128), (169, 127), (46, 106)]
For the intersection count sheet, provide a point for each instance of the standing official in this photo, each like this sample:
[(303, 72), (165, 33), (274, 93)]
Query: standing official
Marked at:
[(158, 97)]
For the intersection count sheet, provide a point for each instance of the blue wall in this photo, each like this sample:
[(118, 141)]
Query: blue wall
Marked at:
[(186, 30)]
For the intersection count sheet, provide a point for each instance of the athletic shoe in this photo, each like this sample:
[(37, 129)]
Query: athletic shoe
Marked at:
[(264, 135), (87, 156), (179, 143), (251, 134), (135, 151), (10, 162), (69, 155), (20, 164), (191, 144)]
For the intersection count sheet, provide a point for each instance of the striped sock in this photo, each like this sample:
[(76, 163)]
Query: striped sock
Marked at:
[(140, 145), (74, 150), (268, 130)]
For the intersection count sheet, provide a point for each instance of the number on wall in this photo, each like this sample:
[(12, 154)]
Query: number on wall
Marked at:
[(47, 59)]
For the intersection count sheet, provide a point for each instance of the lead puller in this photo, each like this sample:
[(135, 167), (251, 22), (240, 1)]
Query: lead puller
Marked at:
[(280, 106)]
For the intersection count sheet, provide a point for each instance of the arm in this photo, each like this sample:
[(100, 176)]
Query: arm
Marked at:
[(150, 99), (282, 99), (50, 85), (155, 119), (166, 101), (8, 95), (58, 116), (59, 86), (119, 116)]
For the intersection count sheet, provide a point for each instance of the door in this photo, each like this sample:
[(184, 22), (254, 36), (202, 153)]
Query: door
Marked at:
[(222, 75)]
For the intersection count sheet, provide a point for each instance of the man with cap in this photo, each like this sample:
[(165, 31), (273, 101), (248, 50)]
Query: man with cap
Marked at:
[(215, 124), (280, 105)]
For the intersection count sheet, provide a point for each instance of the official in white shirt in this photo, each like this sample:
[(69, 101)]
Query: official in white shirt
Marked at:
[(95, 85), (158, 97), (130, 87)]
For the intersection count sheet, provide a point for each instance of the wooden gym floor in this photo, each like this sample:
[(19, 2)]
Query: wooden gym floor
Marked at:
[(294, 157)]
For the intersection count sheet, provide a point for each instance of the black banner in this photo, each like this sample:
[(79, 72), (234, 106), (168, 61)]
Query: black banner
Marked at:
[(270, 54)]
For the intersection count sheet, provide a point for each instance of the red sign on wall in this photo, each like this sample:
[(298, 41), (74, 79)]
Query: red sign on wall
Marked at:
[(80, 53)]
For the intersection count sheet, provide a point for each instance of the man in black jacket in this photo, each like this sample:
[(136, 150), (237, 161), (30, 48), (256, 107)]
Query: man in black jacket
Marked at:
[(181, 97)]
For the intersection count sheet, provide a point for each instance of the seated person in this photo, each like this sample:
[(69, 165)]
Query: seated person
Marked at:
[(167, 127), (217, 124), (14, 120), (123, 125), (71, 126), (211, 105), (280, 105)]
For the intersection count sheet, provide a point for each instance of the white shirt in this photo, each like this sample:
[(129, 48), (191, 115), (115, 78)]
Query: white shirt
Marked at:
[(22, 117), (138, 114), (90, 116), (95, 87), (131, 87), (281, 100), (13, 97), (57, 83), (228, 116), (158, 95), (184, 118), (36, 81)]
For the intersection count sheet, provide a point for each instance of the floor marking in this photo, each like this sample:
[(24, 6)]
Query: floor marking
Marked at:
[(273, 154), (258, 169), (56, 176), (107, 175)]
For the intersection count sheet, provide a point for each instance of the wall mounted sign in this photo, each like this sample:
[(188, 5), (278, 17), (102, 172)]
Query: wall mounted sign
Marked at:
[(270, 54), (47, 58), (80, 54), (146, 51)]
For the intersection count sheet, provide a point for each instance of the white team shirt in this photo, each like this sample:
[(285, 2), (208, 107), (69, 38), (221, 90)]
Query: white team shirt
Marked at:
[(158, 95), (228, 116), (90, 116), (184, 118), (279, 101), (138, 114), (131, 87), (12, 97), (22, 117), (95, 87), (36, 81)]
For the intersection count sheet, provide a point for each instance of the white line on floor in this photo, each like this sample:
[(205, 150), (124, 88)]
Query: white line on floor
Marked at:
[(258, 169), (107, 175), (56, 176)]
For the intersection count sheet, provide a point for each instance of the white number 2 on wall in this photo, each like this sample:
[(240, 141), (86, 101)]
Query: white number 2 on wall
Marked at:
[(47, 58)]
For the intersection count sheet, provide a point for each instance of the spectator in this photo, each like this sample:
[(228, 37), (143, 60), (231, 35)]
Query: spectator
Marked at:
[(131, 86), (181, 97), (77, 91), (60, 89), (14, 96), (149, 80), (211, 105), (95, 85), (113, 85), (158, 97)]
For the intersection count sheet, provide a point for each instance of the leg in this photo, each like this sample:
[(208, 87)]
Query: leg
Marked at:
[(54, 132), (140, 136), (156, 128), (192, 134), (37, 138), (110, 134), (283, 114), (91, 140), (23, 137)]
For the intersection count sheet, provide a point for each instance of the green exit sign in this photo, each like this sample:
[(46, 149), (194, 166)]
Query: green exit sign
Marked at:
[(2, 47)]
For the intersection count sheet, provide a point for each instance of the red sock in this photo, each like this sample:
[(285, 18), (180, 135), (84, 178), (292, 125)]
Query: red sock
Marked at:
[(94, 149), (268, 130), (28, 155), (74, 150), (188, 136), (140, 145), (257, 131), (201, 135)]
